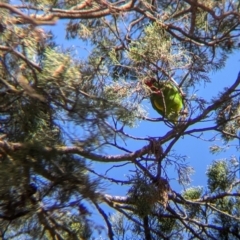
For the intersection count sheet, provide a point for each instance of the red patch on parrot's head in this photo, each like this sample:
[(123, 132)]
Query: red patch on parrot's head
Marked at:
[(150, 82), (153, 85)]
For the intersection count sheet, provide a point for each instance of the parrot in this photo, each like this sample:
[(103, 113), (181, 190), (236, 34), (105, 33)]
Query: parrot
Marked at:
[(165, 98)]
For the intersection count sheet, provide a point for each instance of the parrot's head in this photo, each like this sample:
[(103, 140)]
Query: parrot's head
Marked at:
[(150, 82), (153, 84)]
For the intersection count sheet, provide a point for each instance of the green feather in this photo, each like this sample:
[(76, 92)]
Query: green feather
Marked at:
[(167, 100)]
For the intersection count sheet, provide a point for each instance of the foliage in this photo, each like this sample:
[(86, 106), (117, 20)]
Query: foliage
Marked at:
[(220, 176), (76, 127)]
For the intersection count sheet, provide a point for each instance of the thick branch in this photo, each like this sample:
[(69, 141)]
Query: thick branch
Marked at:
[(87, 14), (10, 146), (147, 231), (25, 17)]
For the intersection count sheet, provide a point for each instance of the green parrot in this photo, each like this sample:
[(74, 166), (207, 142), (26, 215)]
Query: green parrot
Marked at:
[(166, 99)]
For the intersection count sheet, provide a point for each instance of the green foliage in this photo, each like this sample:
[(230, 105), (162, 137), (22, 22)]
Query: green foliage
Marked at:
[(228, 119), (156, 46), (219, 176), (143, 196), (166, 225), (193, 193)]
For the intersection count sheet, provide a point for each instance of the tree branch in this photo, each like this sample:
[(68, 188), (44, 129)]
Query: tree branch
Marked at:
[(26, 18)]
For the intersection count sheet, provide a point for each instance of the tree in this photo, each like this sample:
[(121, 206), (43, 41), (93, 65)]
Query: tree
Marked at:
[(64, 113)]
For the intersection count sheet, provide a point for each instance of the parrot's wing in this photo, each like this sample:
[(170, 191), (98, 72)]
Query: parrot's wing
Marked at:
[(157, 105)]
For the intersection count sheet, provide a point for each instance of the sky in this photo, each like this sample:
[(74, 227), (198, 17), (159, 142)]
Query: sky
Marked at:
[(196, 150)]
